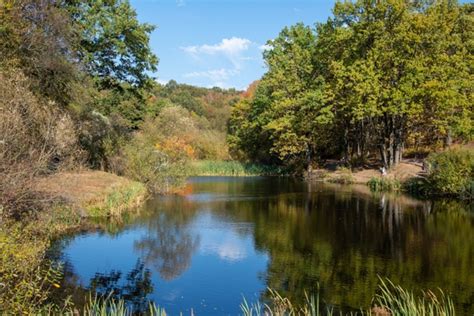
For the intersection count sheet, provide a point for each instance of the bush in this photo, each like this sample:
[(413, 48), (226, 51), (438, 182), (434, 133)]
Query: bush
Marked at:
[(156, 158), (451, 173)]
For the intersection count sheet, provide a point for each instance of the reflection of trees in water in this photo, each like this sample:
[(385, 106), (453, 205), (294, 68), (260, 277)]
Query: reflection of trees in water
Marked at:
[(134, 289), (344, 237), (169, 244)]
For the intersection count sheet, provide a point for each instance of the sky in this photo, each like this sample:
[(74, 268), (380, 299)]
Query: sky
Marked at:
[(219, 42)]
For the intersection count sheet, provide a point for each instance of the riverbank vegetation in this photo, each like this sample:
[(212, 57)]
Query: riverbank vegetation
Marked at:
[(448, 173), (389, 300), (233, 168), (376, 79)]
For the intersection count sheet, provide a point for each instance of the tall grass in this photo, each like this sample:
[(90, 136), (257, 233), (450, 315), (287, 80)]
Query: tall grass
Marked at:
[(398, 301), (124, 197), (390, 299), (232, 168), (109, 306), (282, 306)]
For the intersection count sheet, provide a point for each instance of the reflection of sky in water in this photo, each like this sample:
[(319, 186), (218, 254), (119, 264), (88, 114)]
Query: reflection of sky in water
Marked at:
[(224, 268), (222, 239)]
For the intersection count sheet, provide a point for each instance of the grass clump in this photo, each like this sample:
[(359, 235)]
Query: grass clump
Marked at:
[(377, 184), (398, 301), (390, 299), (232, 168), (280, 306), (112, 307), (121, 198), (343, 175)]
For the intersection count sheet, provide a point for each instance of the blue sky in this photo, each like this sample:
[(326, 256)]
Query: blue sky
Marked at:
[(218, 42)]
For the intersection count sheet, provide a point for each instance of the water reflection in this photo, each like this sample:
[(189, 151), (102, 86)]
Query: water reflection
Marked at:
[(231, 236), (134, 288), (168, 245)]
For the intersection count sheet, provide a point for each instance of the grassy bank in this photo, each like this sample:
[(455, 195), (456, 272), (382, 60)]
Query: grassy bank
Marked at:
[(232, 168), (26, 276), (445, 174), (94, 193), (448, 174)]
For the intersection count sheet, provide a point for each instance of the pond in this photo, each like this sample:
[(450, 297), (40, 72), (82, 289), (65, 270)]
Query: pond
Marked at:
[(227, 238)]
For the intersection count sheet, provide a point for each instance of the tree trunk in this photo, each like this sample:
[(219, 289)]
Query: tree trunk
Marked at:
[(383, 155), (309, 159)]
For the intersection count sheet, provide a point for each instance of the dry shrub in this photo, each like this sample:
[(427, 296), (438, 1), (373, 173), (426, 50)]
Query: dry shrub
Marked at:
[(36, 139)]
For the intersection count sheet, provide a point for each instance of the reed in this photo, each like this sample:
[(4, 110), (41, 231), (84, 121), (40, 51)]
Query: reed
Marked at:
[(399, 301), (232, 168), (390, 299)]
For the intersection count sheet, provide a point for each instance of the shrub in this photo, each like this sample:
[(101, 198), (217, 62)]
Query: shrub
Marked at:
[(156, 158), (452, 173), (418, 186)]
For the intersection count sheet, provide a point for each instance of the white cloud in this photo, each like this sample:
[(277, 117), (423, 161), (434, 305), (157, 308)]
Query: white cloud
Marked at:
[(216, 75), (265, 47), (180, 3), (231, 48)]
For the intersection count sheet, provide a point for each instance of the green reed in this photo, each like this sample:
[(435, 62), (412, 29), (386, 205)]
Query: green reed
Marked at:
[(232, 168)]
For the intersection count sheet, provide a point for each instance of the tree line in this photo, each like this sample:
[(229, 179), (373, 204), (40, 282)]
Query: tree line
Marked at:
[(377, 78)]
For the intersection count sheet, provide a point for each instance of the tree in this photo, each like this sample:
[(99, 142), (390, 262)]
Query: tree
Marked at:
[(114, 46), (36, 37)]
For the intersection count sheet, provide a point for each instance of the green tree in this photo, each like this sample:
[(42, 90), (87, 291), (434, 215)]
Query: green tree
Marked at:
[(290, 105), (114, 45)]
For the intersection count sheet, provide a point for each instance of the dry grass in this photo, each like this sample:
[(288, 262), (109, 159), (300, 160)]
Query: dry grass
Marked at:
[(94, 193), (402, 172)]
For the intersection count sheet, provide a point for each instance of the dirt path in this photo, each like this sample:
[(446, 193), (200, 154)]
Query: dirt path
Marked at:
[(402, 172)]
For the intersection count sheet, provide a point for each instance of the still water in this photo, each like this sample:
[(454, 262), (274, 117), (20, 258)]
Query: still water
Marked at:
[(226, 238)]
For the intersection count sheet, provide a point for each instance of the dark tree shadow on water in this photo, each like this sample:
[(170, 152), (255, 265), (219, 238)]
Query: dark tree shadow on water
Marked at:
[(133, 288)]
